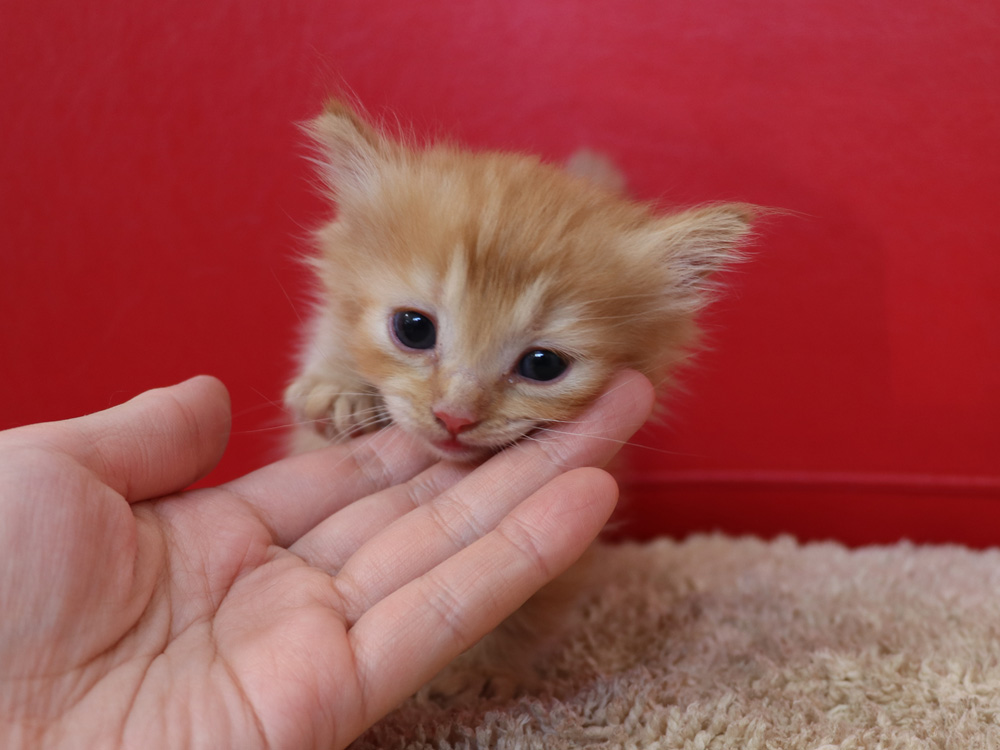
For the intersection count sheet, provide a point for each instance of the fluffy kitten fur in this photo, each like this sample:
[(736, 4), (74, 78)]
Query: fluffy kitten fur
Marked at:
[(505, 255)]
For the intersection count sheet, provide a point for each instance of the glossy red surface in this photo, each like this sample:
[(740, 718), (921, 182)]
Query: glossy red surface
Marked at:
[(153, 195)]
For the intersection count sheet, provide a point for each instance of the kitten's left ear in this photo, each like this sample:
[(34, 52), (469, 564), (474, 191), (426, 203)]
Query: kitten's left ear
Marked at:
[(698, 242)]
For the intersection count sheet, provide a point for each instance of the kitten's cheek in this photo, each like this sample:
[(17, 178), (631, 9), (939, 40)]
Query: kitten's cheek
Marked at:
[(399, 413)]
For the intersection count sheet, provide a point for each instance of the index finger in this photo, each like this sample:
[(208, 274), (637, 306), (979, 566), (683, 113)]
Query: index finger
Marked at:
[(294, 494)]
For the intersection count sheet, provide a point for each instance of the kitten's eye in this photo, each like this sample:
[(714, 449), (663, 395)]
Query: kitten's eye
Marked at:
[(542, 365), (414, 330)]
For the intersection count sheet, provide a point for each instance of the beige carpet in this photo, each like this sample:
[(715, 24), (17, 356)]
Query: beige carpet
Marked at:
[(722, 643)]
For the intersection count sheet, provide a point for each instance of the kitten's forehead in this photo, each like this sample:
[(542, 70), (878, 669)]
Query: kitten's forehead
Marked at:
[(510, 256), (485, 319), (485, 302), (507, 254)]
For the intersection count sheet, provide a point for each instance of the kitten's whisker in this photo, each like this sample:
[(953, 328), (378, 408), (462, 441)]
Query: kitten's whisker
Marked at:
[(386, 448), (270, 428), (553, 431), (267, 404), (635, 295), (624, 317), (252, 409), (370, 417), (349, 393), (631, 443), (267, 399), (365, 424), (278, 426), (284, 291)]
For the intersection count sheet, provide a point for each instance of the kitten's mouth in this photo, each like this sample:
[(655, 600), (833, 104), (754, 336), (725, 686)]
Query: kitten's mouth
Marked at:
[(454, 449), (452, 445)]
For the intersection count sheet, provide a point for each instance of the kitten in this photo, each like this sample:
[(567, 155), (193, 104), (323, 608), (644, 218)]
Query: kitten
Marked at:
[(471, 298)]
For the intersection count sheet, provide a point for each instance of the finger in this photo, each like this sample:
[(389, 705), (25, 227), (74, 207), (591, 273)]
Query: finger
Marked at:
[(355, 524), (445, 524), (405, 639), (295, 494), (158, 442)]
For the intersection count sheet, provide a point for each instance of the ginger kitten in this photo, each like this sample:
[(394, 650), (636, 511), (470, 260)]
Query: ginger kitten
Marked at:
[(471, 298)]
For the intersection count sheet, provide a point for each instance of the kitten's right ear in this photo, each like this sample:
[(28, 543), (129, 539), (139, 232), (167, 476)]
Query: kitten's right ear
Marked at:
[(351, 149), (700, 241)]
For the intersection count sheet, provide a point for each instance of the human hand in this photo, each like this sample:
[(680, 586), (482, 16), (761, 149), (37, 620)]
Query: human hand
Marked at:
[(292, 607)]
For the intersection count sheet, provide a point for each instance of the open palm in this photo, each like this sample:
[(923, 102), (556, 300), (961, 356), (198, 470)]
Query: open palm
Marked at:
[(292, 607)]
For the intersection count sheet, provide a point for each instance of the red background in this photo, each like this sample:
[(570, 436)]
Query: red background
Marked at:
[(153, 194)]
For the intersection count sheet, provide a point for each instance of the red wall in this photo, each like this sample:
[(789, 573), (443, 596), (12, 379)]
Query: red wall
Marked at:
[(153, 193)]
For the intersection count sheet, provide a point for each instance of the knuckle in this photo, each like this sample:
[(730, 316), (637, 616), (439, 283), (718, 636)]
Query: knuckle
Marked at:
[(456, 521), (449, 610), (525, 539)]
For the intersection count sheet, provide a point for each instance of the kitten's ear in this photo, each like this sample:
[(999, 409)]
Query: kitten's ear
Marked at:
[(598, 168), (351, 149), (698, 242)]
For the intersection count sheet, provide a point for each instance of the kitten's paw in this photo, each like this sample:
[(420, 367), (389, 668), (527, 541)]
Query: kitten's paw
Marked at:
[(335, 410)]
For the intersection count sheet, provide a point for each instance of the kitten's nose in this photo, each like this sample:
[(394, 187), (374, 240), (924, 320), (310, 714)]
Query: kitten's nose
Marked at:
[(455, 420)]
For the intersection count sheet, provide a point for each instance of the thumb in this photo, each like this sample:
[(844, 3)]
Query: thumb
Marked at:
[(158, 442)]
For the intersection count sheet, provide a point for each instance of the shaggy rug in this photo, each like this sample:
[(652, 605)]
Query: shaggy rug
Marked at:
[(738, 643)]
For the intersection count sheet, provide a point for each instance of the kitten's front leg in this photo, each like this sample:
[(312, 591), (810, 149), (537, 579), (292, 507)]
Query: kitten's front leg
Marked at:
[(333, 407)]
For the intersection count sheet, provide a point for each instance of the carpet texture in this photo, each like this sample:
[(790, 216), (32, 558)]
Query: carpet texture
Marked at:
[(739, 643)]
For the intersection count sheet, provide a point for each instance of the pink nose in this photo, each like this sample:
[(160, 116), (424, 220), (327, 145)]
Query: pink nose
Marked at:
[(455, 420)]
